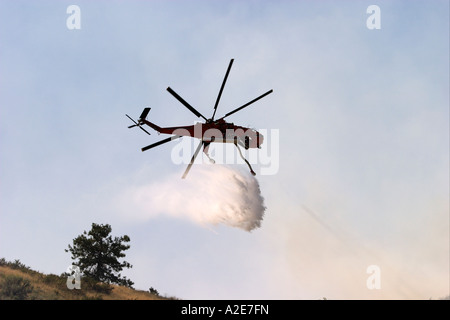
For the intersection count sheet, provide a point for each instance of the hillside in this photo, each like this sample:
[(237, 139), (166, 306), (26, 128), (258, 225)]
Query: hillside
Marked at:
[(18, 281)]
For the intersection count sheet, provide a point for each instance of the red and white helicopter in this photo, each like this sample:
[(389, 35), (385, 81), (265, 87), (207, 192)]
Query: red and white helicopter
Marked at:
[(211, 131)]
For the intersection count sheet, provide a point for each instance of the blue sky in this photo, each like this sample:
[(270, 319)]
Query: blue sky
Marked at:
[(363, 121)]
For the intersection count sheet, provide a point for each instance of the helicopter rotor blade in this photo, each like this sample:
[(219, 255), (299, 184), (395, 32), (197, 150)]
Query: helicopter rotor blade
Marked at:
[(192, 160), (160, 142), (221, 88), (247, 104), (187, 105)]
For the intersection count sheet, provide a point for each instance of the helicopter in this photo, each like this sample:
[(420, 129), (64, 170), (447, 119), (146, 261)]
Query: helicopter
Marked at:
[(212, 130)]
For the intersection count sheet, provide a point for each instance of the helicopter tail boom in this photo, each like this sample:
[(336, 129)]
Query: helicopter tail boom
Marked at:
[(143, 120)]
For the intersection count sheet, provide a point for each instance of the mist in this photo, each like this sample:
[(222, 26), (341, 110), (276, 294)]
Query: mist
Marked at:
[(210, 195)]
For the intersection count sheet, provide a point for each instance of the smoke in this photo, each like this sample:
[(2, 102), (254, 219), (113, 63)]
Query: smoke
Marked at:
[(326, 256), (210, 195)]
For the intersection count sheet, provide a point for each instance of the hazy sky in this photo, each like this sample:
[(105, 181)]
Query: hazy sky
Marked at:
[(358, 120)]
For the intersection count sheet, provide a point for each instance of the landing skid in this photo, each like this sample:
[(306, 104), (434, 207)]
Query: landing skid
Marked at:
[(249, 166), (206, 148), (205, 151)]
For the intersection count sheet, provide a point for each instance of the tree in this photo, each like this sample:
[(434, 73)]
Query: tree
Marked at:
[(98, 255)]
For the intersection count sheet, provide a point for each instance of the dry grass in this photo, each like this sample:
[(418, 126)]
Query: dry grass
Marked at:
[(124, 293), (52, 287)]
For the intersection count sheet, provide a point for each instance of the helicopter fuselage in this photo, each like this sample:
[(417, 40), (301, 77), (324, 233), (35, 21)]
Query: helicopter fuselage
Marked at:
[(218, 131)]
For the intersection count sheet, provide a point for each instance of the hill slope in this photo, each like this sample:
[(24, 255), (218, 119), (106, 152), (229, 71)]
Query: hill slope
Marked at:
[(18, 281)]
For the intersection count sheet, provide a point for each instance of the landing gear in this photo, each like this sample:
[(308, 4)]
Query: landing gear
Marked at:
[(205, 150), (248, 164)]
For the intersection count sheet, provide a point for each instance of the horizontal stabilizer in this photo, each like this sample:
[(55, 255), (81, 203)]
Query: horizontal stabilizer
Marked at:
[(144, 113)]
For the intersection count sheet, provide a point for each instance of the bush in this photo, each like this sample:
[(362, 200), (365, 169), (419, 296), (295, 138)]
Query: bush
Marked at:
[(16, 265), (15, 288), (153, 291), (53, 279), (92, 284)]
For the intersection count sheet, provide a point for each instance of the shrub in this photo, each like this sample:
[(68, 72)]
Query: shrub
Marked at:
[(16, 265), (15, 288), (153, 291), (92, 284), (53, 279)]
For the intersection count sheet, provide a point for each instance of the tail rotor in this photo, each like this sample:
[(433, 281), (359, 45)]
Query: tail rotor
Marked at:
[(140, 121)]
